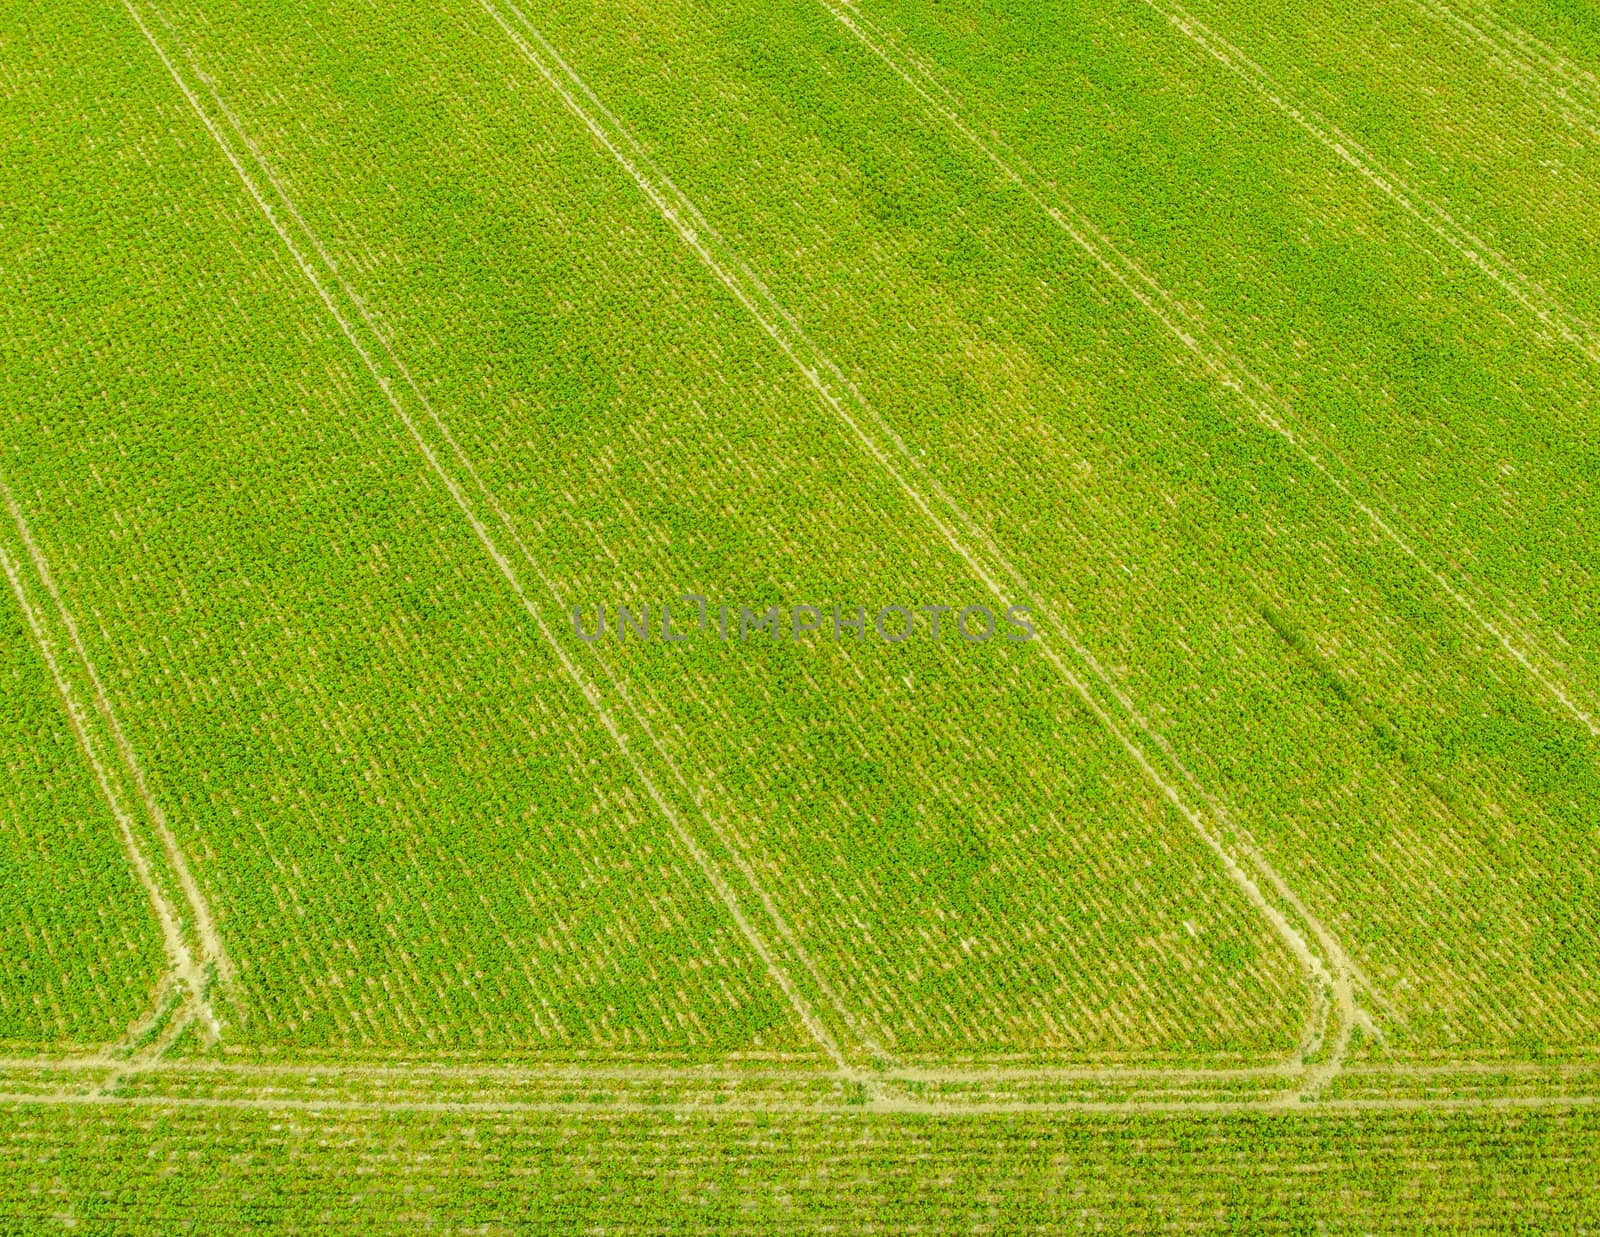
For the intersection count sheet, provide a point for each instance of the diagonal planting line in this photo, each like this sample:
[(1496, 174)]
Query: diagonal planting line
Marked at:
[(485, 1075), (1331, 983), (212, 953), (194, 973), (1528, 61), (464, 501), (1270, 409)]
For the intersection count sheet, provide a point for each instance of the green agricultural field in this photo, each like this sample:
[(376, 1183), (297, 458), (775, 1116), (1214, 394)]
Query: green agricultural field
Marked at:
[(799, 615)]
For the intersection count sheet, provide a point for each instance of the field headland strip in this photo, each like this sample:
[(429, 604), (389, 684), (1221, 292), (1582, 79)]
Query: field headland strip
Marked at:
[(713, 1096), (791, 1085)]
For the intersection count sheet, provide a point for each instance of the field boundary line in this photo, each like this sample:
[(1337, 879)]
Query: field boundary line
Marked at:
[(1518, 53), (799, 1004), (1331, 994), (527, 1072), (733, 1107), (1230, 372), (181, 962), (513, 1073)]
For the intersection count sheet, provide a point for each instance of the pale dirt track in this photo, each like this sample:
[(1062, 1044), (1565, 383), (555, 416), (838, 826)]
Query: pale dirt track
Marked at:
[(818, 1087), (1289, 1104)]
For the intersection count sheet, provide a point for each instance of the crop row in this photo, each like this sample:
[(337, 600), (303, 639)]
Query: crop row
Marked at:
[(148, 1170)]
